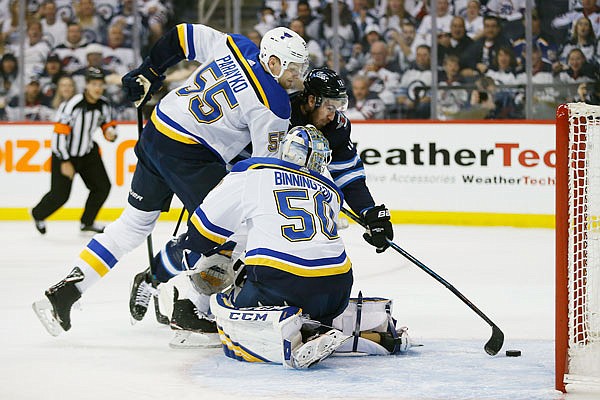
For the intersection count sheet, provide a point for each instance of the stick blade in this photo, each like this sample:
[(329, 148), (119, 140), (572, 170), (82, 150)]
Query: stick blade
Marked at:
[(493, 346)]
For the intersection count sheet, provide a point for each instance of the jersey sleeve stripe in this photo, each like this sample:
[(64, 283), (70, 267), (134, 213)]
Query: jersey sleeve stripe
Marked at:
[(254, 82), (351, 176), (181, 31), (208, 229), (341, 165), (189, 30)]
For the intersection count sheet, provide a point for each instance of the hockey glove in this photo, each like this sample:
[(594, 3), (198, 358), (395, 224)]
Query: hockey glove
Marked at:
[(141, 83), (379, 227)]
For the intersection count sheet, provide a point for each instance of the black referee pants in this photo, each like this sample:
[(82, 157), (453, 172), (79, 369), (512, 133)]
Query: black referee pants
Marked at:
[(91, 169)]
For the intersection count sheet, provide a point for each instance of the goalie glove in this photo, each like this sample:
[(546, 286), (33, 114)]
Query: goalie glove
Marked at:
[(379, 227), (141, 83), (209, 274)]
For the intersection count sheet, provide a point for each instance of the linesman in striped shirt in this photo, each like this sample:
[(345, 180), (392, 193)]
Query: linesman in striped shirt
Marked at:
[(75, 151)]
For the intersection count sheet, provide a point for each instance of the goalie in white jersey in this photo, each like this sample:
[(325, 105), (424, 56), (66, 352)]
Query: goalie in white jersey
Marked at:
[(236, 97), (295, 262), (293, 254)]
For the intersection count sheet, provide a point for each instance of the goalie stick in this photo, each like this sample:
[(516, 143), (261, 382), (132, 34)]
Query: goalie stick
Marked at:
[(494, 344)]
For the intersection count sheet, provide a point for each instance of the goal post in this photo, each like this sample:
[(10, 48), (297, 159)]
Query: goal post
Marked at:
[(577, 319)]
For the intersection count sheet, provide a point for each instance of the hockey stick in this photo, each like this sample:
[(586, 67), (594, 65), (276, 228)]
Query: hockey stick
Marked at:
[(493, 346)]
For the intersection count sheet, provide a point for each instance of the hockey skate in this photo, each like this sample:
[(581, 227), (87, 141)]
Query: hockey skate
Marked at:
[(187, 317), (193, 328), (142, 290), (55, 312), (317, 349)]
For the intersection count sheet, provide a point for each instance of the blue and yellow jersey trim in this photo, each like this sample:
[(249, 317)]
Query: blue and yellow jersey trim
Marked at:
[(207, 229), (185, 33), (257, 163), (267, 89), (175, 131), (299, 266), (98, 257)]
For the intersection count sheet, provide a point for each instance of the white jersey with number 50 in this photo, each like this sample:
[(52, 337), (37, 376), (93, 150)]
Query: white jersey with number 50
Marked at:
[(228, 102), (291, 216)]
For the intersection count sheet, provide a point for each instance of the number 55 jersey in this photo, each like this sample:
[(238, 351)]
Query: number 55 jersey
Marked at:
[(228, 101)]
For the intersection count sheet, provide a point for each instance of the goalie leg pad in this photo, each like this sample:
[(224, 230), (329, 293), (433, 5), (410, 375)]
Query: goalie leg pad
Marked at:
[(376, 323), (257, 334)]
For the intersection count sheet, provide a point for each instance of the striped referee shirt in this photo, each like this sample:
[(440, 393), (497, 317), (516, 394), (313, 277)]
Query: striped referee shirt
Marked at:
[(76, 121)]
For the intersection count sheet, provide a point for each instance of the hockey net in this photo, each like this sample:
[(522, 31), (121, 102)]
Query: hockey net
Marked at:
[(578, 246)]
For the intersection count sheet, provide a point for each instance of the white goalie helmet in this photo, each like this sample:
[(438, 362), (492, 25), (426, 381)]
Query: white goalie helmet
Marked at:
[(306, 146), (288, 47)]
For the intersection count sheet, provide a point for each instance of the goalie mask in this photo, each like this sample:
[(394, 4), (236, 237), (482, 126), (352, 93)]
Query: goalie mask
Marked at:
[(288, 47), (306, 146)]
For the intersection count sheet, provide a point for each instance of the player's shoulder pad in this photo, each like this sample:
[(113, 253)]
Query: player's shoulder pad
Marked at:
[(268, 90)]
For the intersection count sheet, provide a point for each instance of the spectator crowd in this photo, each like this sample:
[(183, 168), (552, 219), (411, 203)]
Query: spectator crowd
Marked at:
[(384, 52), (62, 39)]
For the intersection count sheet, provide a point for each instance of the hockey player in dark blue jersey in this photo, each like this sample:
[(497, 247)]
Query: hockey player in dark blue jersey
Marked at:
[(321, 104)]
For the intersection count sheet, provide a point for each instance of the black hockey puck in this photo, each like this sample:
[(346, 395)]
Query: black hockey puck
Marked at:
[(513, 353)]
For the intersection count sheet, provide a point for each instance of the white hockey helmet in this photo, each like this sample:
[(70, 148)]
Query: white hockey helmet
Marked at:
[(288, 47), (306, 146)]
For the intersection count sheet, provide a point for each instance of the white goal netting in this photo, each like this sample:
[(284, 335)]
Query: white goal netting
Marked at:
[(584, 244)]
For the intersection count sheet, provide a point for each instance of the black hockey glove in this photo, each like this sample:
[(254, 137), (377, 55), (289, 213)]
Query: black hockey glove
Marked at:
[(379, 227), (141, 83)]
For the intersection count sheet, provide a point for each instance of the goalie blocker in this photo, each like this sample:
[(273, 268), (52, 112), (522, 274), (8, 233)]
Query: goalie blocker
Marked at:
[(275, 333)]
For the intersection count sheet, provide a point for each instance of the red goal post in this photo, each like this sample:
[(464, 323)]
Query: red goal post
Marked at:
[(577, 334)]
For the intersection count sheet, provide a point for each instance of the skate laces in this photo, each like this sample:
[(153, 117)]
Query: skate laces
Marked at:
[(201, 314), (144, 293)]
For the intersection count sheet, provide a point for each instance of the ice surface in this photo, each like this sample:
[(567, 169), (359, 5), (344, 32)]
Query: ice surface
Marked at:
[(507, 272)]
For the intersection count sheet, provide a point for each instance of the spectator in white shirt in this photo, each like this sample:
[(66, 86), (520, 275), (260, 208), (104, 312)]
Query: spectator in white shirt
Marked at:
[(364, 103), (53, 27), (443, 21), (474, 20), (36, 50), (71, 50), (384, 78)]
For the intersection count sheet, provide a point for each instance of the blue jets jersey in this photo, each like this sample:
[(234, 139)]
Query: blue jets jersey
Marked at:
[(346, 167)]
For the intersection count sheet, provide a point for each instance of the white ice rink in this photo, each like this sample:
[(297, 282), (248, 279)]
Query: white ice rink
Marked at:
[(507, 272)]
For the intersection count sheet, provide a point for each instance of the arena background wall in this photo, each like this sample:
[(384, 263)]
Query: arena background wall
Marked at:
[(457, 173)]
